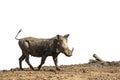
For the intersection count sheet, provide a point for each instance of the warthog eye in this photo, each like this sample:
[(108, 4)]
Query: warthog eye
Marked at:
[(60, 42)]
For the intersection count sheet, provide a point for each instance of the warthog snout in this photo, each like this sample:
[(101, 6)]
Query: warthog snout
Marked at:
[(69, 52)]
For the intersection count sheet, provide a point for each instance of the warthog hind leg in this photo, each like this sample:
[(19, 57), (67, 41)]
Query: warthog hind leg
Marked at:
[(27, 60), (20, 61)]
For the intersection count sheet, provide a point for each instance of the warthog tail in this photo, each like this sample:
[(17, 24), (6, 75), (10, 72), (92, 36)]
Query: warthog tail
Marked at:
[(17, 34)]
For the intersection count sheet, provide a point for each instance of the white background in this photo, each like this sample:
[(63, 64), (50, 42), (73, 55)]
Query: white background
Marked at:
[(93, 25)]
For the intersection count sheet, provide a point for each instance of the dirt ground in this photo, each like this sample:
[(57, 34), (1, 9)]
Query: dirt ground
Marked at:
[(87, 71)]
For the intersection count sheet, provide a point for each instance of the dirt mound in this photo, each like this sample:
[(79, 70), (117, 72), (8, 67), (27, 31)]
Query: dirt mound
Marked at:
[(68, 72), (107, 63)]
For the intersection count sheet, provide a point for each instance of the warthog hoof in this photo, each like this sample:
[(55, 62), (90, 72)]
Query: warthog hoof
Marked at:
[(58, 69)]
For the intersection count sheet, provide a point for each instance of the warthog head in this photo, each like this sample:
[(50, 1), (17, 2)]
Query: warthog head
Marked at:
[(63, 46)]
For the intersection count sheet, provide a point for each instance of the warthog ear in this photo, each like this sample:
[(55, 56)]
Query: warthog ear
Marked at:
[(58, 36), (66, 36)]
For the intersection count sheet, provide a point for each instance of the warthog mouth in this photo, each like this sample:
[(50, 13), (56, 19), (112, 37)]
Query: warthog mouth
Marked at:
[(69, 52), (68, 55)]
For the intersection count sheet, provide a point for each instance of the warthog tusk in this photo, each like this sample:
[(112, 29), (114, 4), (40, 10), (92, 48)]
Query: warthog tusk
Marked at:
[(72, 49)]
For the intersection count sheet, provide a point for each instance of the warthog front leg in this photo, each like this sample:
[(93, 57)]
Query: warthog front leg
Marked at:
[(56, 62), (42, 61)]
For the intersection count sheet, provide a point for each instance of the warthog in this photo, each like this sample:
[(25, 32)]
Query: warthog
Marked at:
[(39, 47)]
